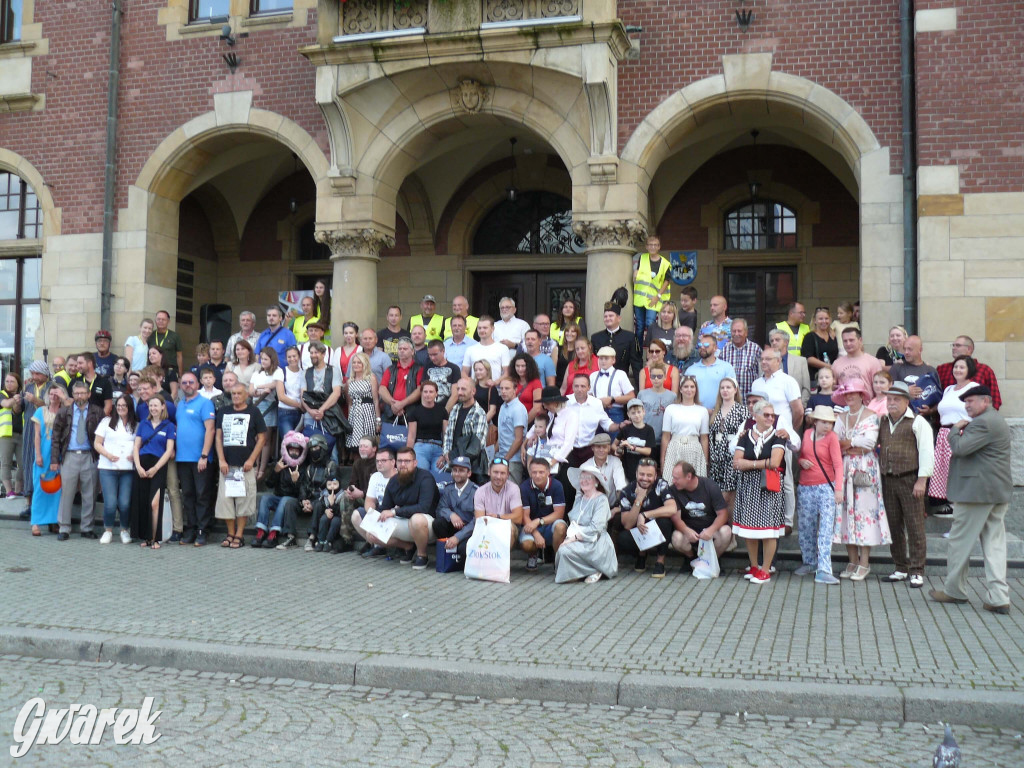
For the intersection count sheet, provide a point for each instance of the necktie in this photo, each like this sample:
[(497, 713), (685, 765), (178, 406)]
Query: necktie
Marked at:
[(80, 436)]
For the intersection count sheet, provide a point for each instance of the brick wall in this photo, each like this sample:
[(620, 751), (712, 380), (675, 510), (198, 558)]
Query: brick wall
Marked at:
[(848, 46), (970, 98)]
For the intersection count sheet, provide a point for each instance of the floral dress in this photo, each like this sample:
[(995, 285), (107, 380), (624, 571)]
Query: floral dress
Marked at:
[(861, 519), (724, 428)]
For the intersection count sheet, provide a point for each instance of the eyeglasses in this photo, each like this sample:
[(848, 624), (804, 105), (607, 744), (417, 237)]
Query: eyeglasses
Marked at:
[(958, 345), (657, 376)]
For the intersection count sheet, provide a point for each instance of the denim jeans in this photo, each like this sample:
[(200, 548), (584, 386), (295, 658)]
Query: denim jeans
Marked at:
[(272, 510), (117, 495), (642, 318), (288, 420), (817, 524), (427, 455)]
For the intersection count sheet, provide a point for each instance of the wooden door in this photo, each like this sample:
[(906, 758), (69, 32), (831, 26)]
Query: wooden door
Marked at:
[(760, 295), (533, 292)]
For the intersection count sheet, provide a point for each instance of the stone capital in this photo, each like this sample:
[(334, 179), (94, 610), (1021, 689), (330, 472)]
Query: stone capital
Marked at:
[(364, 243), (621, 233)]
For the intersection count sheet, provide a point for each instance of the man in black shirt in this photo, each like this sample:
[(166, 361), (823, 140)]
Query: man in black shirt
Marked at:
[(702, 512), (646, 501), (627, 353), (241, 433), (410, 497), (441, 372), (387, 337), (101, 393)]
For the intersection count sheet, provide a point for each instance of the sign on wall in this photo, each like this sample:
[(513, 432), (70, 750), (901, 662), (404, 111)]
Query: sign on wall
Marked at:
[(684, 266)]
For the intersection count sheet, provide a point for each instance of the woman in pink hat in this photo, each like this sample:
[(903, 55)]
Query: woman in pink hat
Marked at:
[(860, 520)]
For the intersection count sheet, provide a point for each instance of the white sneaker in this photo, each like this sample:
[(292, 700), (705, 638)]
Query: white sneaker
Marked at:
[(106, 537), (126, 538)]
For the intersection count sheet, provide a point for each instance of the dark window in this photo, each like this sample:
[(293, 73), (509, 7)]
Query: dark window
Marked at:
[(10, 20), (760, 225), (536, 222), (184, 304), (209, 10), (309, 248), (269, 6), (20, 214)]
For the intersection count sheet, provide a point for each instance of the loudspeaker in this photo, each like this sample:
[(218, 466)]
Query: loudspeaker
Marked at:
[(214, 323)]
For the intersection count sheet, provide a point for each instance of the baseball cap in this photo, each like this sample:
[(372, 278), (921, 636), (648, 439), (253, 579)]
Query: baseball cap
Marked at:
[(461, 461)]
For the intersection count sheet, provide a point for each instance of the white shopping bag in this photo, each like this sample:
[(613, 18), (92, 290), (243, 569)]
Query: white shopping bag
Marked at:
[(487, 553), (167, 519), (706, 565)]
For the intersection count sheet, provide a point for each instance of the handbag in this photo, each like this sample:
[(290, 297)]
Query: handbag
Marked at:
[(487, 554), (394, 434), (467, 444), (771, 480), (449, 560), (861, 479)]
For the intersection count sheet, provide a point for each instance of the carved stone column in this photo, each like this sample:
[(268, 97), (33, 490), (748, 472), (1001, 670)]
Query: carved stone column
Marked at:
[(355, 254), (610, 248)]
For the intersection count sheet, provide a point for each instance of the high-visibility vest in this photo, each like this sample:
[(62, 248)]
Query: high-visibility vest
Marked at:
[(558, 333), (647, 287), (299, 328), (470, 327), (6, 418), (796, 341), (433, 328)]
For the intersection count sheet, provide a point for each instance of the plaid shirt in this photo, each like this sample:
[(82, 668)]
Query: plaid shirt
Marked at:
[(747, 362), (476, 422), (984, 375)]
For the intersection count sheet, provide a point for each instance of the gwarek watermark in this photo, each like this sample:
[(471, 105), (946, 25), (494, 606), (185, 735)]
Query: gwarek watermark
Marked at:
[(82, 724)]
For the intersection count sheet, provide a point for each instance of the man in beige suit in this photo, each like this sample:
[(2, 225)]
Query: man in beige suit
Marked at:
[(980, 487), (792, 364)]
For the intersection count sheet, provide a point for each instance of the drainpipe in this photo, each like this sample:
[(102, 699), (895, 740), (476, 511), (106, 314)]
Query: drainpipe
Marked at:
[(909, 166), (110, 169)]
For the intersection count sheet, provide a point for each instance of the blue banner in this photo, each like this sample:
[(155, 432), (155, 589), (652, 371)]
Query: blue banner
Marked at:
[(684, 266)]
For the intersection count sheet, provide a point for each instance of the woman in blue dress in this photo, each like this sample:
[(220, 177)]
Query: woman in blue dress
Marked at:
[(154, 448), (45, 506)]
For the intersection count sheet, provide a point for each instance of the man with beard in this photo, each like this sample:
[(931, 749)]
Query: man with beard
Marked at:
[(465, 421), (386, 468), (743, 354), (644, 502), (284, 489), (710, 371), (683, 354), (104, 360), (432, 323), (455, 511), (411, 498), (323, 380)]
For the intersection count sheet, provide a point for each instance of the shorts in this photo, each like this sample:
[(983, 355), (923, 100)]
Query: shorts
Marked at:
[(547, 531), (402, 532), (243, 506)]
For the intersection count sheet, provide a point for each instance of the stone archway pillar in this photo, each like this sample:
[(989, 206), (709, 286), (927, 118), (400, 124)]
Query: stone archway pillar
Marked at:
[(355, 254), (611, 245)]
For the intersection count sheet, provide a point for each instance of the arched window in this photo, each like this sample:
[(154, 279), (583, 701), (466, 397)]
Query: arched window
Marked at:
[(21, 217), (760, 225), (535, 222)]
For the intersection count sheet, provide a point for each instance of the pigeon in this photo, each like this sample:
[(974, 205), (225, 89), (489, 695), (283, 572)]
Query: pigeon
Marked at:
[(947, 754)]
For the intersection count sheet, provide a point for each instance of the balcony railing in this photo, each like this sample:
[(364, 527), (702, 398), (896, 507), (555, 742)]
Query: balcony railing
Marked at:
[(371, 17)]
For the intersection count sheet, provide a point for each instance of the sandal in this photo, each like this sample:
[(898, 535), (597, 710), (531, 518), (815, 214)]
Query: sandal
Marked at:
[(143, 544), (237, 542), (861, 573), (154, 545), (851, 569), (227, 541)]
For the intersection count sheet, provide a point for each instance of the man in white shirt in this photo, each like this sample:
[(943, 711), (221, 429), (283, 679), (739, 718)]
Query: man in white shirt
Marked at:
[(386, 468), (792, 365), (611, 386), (590, 415), (778, 388), (609, 466), (315, 331), (496, 355), (455, 346), (509, 329)]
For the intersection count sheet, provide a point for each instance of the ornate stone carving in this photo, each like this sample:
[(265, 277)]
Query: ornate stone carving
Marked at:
[(517, 10), (625, 233), (361, 16), (354, 244), (470, 96)]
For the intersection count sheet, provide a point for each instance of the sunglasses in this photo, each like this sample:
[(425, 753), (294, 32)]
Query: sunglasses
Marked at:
[(647, 463), (501, 461), (705, 344)]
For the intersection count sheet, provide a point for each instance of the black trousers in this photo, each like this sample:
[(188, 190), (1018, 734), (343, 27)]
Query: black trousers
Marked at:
[(627, 544), (197, 507)]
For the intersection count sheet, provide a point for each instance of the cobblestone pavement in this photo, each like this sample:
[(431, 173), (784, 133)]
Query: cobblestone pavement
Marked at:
[(210, 719), (791, 629)]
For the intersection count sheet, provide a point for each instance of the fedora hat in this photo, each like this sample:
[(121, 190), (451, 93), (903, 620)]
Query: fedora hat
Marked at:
[(552, 395), (899, 388), (574, 474)]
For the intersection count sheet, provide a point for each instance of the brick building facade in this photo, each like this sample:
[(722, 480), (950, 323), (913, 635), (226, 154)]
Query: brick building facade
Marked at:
[(369, 143)]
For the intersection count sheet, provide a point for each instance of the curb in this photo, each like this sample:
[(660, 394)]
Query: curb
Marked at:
[(877, 703)]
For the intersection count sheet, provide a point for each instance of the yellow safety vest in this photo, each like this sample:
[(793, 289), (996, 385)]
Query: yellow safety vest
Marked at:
[(6, 418), (299, 328), (470, 327), (557, 334), (433, 328), (647, 287), (796, 342), (63, 376)]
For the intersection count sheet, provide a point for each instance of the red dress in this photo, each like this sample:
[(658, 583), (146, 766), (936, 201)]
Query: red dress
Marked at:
[(572, 370), (526, 393)]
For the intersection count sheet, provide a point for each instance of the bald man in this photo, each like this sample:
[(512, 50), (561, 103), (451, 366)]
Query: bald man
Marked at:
[(720, 324), (460, 308)]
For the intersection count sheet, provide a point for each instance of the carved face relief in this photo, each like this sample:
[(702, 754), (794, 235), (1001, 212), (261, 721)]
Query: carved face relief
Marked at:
[(471, 95)]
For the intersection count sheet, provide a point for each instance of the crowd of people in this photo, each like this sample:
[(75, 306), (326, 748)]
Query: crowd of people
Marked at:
[(684, 432)]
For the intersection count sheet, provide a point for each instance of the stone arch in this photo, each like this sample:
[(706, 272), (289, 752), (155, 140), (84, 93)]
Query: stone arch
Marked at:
[(18, 165)]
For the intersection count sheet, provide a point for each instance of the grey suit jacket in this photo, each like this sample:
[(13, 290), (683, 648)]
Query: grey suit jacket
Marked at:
[(798, 370), (980, 470)]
